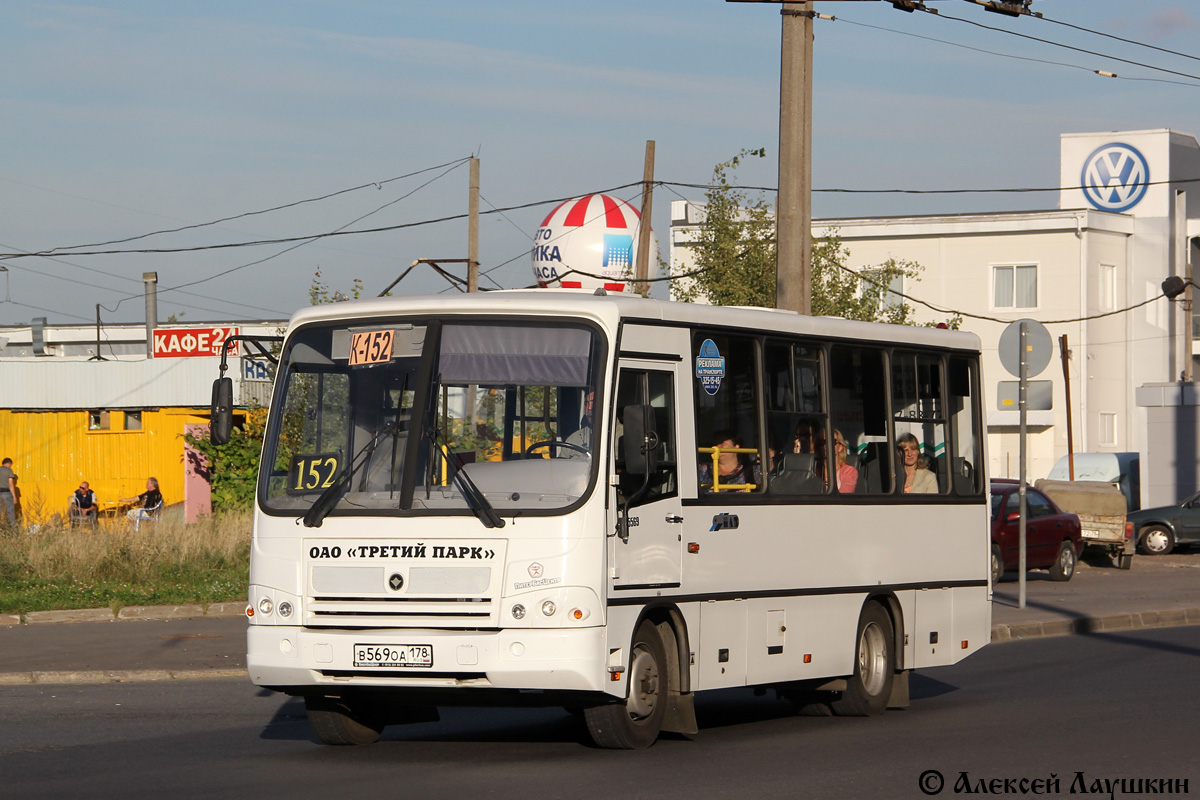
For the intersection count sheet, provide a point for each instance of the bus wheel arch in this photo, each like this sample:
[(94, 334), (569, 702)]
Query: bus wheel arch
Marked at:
[(636, 722), (869, 687)]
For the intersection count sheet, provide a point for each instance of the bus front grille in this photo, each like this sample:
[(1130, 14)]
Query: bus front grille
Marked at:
[(406, 612)]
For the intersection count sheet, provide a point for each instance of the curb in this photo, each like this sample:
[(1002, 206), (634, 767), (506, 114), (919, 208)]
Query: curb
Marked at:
[(125, 613), (1117, 622), (115, 676)]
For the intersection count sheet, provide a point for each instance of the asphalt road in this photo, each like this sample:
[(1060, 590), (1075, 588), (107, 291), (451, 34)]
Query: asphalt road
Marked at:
[(1113, 705)]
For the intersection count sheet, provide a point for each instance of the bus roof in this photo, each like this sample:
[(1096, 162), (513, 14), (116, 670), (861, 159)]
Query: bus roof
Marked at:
[(612, 308)]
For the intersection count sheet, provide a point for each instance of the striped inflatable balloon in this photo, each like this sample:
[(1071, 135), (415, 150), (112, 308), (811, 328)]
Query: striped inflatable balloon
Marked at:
[(590, 242)]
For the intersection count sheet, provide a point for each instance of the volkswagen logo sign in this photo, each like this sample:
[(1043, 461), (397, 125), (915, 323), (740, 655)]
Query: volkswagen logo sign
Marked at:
[(396, 581), (1115, 177)]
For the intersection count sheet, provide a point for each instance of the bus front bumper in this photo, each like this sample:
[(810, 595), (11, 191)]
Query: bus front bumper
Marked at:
[(531, 659)]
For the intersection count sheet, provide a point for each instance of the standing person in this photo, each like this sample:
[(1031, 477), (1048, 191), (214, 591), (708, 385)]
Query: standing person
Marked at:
[(150, 500), (8, 492), (84, 501), (917, 479)]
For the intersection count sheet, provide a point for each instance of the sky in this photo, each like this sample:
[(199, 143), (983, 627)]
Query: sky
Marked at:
[(123, 119)]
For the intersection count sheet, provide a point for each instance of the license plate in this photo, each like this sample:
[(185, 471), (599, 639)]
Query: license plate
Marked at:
[(1091, 534), (393, 655)]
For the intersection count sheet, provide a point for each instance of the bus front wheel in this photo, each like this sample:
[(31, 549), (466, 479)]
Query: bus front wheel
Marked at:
[(336, 721), (869, 688), (636, 722)]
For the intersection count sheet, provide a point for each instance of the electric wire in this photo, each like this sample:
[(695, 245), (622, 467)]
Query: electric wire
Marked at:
[(1119, 38), (134, 280), (1006, 55), (1060, 44), (312, 236), (376, 184), (316, 238)]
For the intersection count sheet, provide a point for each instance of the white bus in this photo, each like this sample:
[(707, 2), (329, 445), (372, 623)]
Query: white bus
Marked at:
[(611, 503)]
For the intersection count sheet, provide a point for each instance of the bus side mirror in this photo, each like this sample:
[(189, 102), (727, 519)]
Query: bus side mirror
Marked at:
[(640, 440), (221, 420)]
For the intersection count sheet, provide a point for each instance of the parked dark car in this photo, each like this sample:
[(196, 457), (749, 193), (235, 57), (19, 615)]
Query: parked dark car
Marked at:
[(1053, 537), (1159, 530)]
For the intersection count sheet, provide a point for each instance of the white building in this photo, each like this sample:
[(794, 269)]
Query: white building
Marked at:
[(1106, 248)]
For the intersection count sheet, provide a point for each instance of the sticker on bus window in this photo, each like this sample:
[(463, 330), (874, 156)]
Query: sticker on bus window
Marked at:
[(312, 473), (710, 366), (371, 347)]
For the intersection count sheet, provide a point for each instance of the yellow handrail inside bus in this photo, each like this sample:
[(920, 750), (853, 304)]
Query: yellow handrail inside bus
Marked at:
[(716, 484)]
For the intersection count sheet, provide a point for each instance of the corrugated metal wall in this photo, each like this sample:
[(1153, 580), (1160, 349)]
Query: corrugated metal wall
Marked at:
[(52, 451)]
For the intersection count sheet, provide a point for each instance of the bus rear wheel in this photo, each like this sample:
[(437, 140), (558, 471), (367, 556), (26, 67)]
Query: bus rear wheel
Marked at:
[(337, 721), (869, 688), (635, 723)]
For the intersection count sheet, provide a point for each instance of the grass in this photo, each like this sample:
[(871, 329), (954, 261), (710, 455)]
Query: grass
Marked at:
[(53, 566)]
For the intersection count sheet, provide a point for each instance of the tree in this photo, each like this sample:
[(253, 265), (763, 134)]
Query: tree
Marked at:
[(736, 256)]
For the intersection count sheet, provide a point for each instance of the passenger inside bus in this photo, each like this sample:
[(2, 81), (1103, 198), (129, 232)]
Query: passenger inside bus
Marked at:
[(584, 435), (733, 468), (917, 478), (847, 474)]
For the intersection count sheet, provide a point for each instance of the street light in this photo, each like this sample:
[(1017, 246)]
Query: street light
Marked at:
[(1173, 287)]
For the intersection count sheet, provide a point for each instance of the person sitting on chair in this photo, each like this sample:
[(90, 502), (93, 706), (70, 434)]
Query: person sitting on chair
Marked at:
[(84, 502), (150, 499), (917, 479)]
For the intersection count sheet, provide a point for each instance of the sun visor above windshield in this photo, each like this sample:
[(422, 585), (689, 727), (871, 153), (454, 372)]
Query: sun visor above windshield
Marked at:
[(376, 344), (514, 354)]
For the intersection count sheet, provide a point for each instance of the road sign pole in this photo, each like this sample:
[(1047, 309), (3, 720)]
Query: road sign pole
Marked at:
[(1022, 403)]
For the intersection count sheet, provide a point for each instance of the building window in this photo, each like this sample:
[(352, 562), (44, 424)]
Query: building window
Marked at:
[(133, 420), (1108, 428), (1014, 286), (1108, 287), (893, 296), (98, 420)]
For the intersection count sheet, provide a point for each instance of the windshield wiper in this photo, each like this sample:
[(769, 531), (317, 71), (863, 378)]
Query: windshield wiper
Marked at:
[(475, 498), (329, 498)]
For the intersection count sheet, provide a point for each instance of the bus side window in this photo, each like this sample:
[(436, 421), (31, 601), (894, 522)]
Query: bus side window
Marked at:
[(920, 420), (727, 402), (657, 390), (963, 378), (858, 410)]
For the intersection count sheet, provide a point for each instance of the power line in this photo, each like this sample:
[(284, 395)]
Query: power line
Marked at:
[(992, 190), (133, 280), (1064, 46), (47, 310), (1102, 73), (376, 184), (312, 236), (315, 238), (1119, 38)]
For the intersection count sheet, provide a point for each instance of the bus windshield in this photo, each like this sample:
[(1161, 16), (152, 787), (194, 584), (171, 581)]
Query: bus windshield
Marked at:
[(436, 416)]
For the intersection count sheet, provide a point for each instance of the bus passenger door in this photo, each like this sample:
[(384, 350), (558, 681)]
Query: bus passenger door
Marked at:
[(650, 556)]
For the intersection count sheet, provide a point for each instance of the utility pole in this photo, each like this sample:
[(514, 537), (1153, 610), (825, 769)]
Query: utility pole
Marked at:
[(643, 254), (473, 229), (1065, 352), (793, 277)]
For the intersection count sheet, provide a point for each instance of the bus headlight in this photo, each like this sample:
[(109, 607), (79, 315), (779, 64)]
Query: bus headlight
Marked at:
[(518, 611), (265, 605), (285, 609), (548, 608)]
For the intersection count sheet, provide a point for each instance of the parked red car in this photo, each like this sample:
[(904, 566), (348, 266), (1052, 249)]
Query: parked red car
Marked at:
[(1053, 537)]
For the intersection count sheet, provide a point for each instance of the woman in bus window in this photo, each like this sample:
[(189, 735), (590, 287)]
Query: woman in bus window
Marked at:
[(847, 474), (917, 479)]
